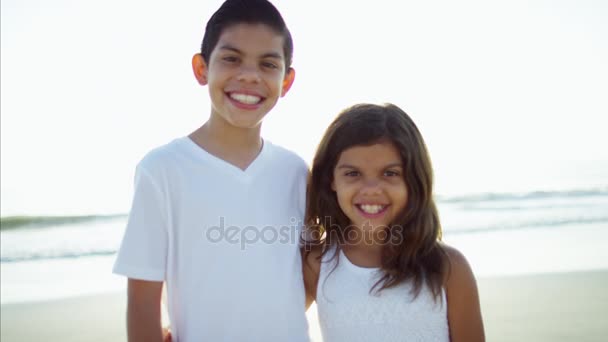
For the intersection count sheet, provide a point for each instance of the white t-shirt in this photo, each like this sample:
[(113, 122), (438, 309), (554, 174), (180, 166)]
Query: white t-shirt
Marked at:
[(226, 241)]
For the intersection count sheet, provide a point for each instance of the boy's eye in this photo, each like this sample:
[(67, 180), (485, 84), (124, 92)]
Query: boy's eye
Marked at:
[(270, 65), (230, 59)]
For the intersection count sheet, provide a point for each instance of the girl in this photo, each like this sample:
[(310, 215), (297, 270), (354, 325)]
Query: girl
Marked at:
[(373, 260)]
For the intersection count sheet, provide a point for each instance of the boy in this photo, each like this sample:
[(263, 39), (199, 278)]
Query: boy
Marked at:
[(216, 214)]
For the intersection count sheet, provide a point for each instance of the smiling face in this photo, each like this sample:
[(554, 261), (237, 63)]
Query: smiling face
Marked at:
[(246, 74), (370, 186)]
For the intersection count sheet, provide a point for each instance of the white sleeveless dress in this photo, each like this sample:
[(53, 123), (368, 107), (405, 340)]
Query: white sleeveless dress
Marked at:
[(348, 312)]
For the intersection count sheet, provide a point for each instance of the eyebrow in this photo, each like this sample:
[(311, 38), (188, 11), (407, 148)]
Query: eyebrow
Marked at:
[(229, 47), (348, 166)]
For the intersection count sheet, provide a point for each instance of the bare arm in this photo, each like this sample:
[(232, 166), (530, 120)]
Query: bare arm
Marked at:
[(310, 270), (143, 311), (464, 313)]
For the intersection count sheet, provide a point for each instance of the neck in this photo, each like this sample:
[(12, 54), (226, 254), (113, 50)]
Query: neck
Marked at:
[(367, 250), (230, 136), (235, 145), (364, 255)]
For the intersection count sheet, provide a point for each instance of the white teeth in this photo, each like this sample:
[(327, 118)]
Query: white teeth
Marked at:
[(244, 98), (371, 208)]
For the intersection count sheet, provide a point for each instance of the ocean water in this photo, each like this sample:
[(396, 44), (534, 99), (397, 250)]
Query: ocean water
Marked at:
[(499, 233)]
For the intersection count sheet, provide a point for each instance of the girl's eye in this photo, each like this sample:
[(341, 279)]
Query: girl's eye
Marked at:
[(352, 174), (391, 173)]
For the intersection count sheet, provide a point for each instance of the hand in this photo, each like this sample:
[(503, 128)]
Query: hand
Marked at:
[(166, 335)]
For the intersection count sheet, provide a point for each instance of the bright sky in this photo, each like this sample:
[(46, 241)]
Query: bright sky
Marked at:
[(509, 95)]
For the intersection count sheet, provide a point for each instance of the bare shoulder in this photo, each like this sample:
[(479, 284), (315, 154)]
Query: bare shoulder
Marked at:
[(459, 267), (464, 311), (460, 279)]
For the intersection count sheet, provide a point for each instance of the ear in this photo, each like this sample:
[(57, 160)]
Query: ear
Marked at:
[(290, 76), (199, 67), (333, 186)]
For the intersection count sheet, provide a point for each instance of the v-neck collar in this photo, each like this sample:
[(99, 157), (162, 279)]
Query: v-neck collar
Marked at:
[(244, 175)]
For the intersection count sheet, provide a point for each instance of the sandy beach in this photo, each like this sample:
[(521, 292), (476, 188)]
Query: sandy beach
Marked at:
[(548, 307), (544, 307), (92, 318)]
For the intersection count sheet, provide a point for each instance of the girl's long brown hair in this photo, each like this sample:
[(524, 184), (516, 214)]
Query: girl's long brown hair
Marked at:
[(412, 251)]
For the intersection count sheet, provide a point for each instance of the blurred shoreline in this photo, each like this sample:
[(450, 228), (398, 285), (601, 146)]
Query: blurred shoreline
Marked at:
[(499, 233)]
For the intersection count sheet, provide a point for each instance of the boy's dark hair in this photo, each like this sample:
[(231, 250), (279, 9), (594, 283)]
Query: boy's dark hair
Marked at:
[(412, 251), (248, 12)]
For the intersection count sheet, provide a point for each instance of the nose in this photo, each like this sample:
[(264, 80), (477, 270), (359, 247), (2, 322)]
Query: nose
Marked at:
[(371, 187), (248, 73)]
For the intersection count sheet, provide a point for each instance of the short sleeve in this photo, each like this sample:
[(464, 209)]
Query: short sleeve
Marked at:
[(143, 252)]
